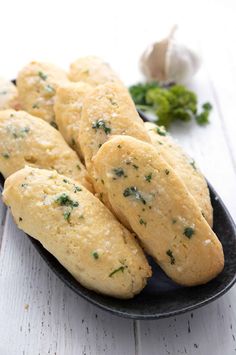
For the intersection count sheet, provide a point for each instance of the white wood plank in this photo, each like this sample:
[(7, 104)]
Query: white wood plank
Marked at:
[(120, 37), (2, 219), (39, 315), (209, 330), (222, 74), (208, 146), (215, 324)]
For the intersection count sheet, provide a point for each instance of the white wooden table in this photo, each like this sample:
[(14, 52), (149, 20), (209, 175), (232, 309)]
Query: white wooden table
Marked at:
[(38, 313)]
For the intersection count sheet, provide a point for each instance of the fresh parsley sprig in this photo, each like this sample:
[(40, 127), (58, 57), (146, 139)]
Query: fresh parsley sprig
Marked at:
[(169, 103)]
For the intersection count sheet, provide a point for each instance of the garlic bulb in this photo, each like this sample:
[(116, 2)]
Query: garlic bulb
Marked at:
[(170, 60)]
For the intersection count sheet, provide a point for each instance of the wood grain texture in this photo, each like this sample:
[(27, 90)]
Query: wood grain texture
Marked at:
[(194, 332), (2, 219), (40, 315)]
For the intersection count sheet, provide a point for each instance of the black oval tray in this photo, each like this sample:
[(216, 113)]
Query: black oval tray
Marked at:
[(162, 297)]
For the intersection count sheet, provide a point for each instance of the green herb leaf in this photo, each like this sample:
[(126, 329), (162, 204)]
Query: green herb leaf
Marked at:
[(169, 103), (121, 268), (161, 131), (42, 75), (203, 117), (119, 172), (65, 200), (170, 254), (6, 155), (193, 164), (189, 232), (95, 255), (67, 214), (133, 191), (141, 221), (77, 189), (148, 177), (100, 124)]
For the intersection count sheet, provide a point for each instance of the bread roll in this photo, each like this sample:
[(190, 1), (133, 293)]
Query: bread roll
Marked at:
[(78, 230), (37, 83), (68, 107), (108, 110), (184, 166), (28, 140), (8, 95), (92, 70), (144, 190)]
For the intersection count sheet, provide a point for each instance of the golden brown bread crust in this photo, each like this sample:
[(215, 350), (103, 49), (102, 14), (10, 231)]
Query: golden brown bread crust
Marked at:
[(92, 70), (108, 110), (37, 83), (28, 140), (8, 95), (184, 166), (68, 108), (78, 230), (145, 191)]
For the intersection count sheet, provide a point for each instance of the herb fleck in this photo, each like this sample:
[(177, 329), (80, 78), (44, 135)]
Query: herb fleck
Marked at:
[(174, 221), (148, 177), (167, 171), (133, 191), (42, 75), (141, 221), (113, 102), (119, 146), (65, 200), (6, 155), (135, 166), (67, 214), (121, 268), (119, 172), (66, 181), (78, 167), (20, 219), (77, 189), (18, 133), (170, 254), (193, 164), (95, 255), (188, 232), (161, 131), (35, 106), (100, 124)]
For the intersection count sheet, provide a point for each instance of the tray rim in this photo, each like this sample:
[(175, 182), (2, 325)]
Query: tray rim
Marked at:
[(40, 249)]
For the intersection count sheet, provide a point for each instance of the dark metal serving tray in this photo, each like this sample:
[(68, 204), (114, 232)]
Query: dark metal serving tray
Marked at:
[(161, 297)]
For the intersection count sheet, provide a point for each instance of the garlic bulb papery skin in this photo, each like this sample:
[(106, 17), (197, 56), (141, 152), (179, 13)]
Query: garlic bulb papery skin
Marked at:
[(171, 60)]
